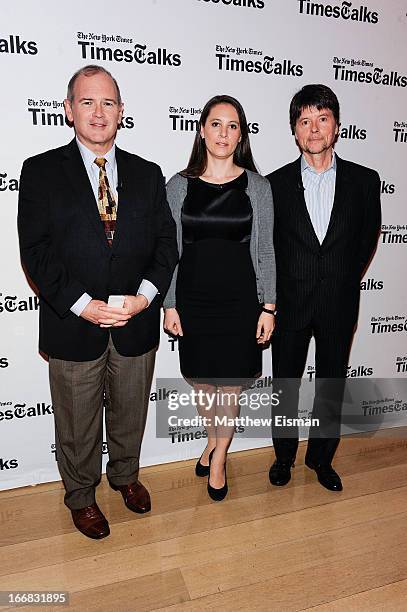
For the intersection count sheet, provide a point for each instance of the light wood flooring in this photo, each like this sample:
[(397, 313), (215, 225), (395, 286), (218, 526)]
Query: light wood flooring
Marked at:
[(298, 547)]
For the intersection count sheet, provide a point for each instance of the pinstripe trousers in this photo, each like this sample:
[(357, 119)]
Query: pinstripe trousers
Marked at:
[(80, 391)]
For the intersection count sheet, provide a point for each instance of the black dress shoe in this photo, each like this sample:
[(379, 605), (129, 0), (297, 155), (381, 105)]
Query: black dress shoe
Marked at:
[(280, 472), (201, 470), (91, 522), (217, 494), (135, 496), (326, 475)]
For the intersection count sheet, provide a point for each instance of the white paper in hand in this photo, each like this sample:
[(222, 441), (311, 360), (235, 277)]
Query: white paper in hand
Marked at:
[(116, 301)]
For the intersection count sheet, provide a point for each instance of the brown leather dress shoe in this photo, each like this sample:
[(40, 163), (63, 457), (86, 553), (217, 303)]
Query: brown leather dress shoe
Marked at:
[(136, 497), (91, 522)]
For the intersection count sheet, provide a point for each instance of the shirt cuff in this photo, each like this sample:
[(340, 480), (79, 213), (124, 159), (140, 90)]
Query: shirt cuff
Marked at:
[(81, 304), (148, 290)]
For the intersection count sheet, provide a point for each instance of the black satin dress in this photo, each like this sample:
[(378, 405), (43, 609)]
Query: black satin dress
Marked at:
[(216, 285)]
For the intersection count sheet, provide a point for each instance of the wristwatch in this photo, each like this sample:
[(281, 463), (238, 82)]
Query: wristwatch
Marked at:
[(269, 311)]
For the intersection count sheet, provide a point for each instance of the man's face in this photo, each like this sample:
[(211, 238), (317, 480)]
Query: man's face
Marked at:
[(95, 111), (316, 130)]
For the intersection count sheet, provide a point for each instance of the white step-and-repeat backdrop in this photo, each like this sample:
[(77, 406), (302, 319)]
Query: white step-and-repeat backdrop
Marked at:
[(169, 57)]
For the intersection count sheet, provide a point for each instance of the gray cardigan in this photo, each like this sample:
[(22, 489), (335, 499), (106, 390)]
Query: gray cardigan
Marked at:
[(261, 240)]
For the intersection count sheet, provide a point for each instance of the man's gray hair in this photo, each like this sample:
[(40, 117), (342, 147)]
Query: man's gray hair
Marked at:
[(90, 70)]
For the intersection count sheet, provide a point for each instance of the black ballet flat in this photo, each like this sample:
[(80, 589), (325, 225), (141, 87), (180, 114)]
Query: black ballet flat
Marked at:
[(201, 470), (217, 494)]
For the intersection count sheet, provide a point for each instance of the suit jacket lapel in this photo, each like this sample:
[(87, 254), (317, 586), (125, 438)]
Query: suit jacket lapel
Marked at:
[(341, 184), (124, 192), (296, 186), (132, 190), (78, 177)]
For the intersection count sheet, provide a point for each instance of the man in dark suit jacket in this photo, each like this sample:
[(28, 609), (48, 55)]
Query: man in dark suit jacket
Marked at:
[(326, 225), (94, 222)]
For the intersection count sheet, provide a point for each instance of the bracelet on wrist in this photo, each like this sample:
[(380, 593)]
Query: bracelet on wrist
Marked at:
[(269, 311)]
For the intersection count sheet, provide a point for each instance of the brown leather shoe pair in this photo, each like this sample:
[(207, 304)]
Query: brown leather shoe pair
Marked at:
[(91, 522), (135, 495)]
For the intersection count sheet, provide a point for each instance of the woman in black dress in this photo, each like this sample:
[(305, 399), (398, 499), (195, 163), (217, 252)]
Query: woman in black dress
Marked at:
[(221, 300)]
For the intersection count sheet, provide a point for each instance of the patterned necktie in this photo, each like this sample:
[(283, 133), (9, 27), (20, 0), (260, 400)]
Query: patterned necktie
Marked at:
[(106, 201)]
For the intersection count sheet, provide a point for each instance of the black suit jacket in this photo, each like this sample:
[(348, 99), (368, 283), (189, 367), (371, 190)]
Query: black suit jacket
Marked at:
[(65, 252), (323, 280)]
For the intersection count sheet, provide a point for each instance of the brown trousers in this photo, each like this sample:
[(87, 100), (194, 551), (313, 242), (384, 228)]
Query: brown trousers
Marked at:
[(79, 390)]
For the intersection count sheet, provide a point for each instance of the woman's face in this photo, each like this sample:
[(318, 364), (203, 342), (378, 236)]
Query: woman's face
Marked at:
[(221, 131)]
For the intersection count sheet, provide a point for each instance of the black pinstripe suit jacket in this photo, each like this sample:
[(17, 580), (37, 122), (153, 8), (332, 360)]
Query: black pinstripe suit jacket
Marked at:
[(323, 280)]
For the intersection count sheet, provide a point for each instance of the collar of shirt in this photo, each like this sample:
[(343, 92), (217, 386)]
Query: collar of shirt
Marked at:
[(306, 166), (92, 169), (89, 157)]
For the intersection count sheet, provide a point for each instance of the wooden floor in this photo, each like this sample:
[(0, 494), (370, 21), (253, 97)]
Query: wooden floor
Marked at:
[(298, 547)]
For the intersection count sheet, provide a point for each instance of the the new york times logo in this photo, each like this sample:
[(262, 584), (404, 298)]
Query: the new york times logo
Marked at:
[(138, 53), (267, 64), (11, 303), (43, 113), (360, 371), (345, 10), (400, 131), (4, 363), (14, 44), (8, 464), (371, 284), (8, 411), (352, 132), (401, 365), (389, 324), (185, 119), (394, 234), (361, 71), (257, 4), (8, 184)]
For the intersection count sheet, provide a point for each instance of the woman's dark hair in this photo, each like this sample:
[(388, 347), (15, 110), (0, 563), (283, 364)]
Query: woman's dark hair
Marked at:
[(242, 156), (319, 96)]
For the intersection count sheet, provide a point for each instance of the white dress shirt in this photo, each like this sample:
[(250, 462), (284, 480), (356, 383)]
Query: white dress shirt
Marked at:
[(319, 193), (146, 288)]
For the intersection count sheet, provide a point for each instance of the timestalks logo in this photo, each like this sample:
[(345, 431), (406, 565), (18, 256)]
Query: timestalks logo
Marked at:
[(4, 363), (138, 54), (181, 123), (14, 44), (389, 324), (376, 76), (344, 10), (8, 411), (8, 184), (401, 365), (394, 234), (267, 65), (352, 132), (360, 371), (400, 131), (371, 285), (41, 114), (11, 303), (387, 188), (8, 464), (257, 4)]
